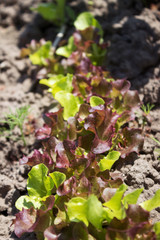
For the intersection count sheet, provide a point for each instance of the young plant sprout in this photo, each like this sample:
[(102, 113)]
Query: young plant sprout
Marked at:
[(146, 109), (16, 120)]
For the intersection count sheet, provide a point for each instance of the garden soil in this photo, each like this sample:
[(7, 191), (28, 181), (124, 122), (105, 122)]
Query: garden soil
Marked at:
[(133, 35)]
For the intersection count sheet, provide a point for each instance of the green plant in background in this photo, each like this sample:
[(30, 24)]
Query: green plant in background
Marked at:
[(146, 109), (16, 120), (55, 12), (88, 38), (39, 56), (144, 115)]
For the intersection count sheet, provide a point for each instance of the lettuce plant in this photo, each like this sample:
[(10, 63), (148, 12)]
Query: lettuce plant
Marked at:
[(70, 186), (60, 205), (73, 191), (85, 43)]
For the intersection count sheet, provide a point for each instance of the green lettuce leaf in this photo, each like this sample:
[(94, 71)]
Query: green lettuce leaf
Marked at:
[(66, 50), (157, 230), (132, 197), (28, 202), (44, 52), (95, 101), (69, 102), (114, 205), (58, 83), (47, 10), (77, 210), (58, 178), (85, 20), (38, 183), (94, 211), (108, 161), (152, 203)]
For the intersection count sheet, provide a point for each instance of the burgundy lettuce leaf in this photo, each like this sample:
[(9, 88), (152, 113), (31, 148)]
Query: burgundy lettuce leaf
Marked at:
[(100, 146), (49, 146), (85, 141), (37, 158), (143, 230), (82, 45), (111, 179), (105, 121), (131, 99), (56, 122), (29, 220), (54, 125), (84, 187), (121, 85), (139, 220), (133, 141), (79, 231), (72, 131), (68, 187), (101, 122), (64, 153), (25, 221), (83, 66), (74, 59), (83, 112), (50, 233), (126, 116), (43, 133), (100, 86), (62, 160), (83, 39), (76, 230), (132, 227), (137, 214)]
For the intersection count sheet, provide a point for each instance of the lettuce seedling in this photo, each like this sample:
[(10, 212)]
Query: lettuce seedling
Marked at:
[(88, 38), (16, 120)]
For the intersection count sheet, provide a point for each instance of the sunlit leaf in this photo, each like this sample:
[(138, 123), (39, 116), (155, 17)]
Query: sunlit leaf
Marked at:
[(39, 57), (114, 205), (39, 184), (69, 102), (108, 161), (94, 211), (59, 83), (95, 101), (58, 178), (77, 210), (157, 229), (86, 20), (131, 198), (152, 203), (27, 202), (66, 51)]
